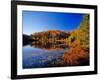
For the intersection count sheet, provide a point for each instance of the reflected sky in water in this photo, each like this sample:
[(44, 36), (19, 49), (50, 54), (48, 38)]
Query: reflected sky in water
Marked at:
[(36, 56)]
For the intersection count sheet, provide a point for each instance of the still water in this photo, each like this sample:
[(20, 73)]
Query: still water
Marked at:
[(37, 55)]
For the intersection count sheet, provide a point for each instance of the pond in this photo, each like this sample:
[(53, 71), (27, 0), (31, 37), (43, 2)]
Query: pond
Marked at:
[(41, 55)]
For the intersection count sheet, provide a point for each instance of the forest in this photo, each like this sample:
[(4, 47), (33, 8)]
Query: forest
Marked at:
[(77, 41)]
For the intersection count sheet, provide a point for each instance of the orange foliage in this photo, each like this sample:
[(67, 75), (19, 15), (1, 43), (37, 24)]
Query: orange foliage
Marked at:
[(76, 56)]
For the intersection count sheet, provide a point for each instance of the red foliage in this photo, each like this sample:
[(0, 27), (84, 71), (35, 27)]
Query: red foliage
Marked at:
[(76, 56)]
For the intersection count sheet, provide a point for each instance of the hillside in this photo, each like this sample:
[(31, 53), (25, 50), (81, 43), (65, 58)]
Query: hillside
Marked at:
[(27, 39), (51, 36)]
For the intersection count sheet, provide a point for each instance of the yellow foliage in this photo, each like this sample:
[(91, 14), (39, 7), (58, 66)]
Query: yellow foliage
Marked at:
[(79, 43), (81, 35)]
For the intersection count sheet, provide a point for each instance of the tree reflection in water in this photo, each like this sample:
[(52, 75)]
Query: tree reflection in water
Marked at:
[(49, 46), (44, 54)]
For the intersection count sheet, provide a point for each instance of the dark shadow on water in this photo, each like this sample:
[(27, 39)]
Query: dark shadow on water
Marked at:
[(48, 45)]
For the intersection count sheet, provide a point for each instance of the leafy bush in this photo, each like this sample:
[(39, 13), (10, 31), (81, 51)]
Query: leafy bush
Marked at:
[(76, 56)]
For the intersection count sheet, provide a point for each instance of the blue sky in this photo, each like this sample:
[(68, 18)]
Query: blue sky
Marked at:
[(34, 21)]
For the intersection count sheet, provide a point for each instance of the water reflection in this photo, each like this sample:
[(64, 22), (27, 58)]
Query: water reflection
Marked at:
[(44, 54), (49, 46)]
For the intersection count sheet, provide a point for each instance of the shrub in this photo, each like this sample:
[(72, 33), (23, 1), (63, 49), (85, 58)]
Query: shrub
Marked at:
[(76, 56)]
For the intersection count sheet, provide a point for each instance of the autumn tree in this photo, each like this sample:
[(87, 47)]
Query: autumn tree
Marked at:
[(80, 36), (78, 40)]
